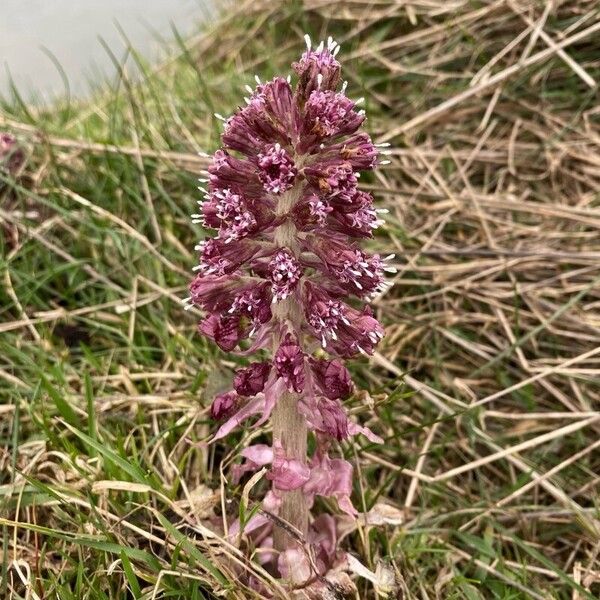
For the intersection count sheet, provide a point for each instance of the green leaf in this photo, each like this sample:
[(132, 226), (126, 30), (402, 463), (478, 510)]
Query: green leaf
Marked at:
[(88, 542), (131, 577), (132, 469), (64, 408), (185, 543)]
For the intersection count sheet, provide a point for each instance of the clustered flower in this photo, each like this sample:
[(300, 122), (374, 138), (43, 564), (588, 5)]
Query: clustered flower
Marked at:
[(289, 169)]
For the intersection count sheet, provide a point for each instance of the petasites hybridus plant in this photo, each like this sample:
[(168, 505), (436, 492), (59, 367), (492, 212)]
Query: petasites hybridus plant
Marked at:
[(286, 271)]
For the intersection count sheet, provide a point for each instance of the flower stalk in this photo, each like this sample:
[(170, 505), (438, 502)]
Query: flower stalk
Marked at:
[(289, 426)]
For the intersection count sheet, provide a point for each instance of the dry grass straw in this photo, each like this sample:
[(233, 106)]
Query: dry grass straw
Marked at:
[(493, 323)]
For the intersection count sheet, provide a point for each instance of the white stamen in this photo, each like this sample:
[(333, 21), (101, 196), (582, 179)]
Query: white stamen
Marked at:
[(308, 41), (249, 89), (220, 117), (257, 79), (319, 80), (359, 101), (203, 154), (385, 162)]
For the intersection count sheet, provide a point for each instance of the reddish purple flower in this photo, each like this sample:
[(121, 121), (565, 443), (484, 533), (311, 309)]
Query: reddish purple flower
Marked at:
[(229, 212), (284, 273), (351, 268), (276, 169), (289, 363), (357, 218), (214, 292), (221, 258), (317, 69), (251, 380), (225, 331), (332, 378), (343, 330), (224, 405), (330, 418), (329, 114), (334, 180)]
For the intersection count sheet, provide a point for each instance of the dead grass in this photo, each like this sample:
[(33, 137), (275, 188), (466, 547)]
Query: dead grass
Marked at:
[(485, 388)]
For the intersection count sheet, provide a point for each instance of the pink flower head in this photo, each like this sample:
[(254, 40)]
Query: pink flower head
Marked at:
[(225, 331), (335, 180), (354, 270), (332, 378), (276, 169), (270, 116), (357, 218), (221, 258), (343, 330), (284, 273), (330, 418), (329, 114), (251, 380), (311, 212), (289, 363), (224, 405), (317, 69)]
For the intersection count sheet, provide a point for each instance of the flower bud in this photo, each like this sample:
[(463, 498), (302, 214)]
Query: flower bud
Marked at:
[(251, 380)]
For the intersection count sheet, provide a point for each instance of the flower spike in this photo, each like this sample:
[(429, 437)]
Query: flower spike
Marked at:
[(285, 273)]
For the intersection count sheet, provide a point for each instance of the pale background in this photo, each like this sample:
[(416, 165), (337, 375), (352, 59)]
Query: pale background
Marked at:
[(70, 29)]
